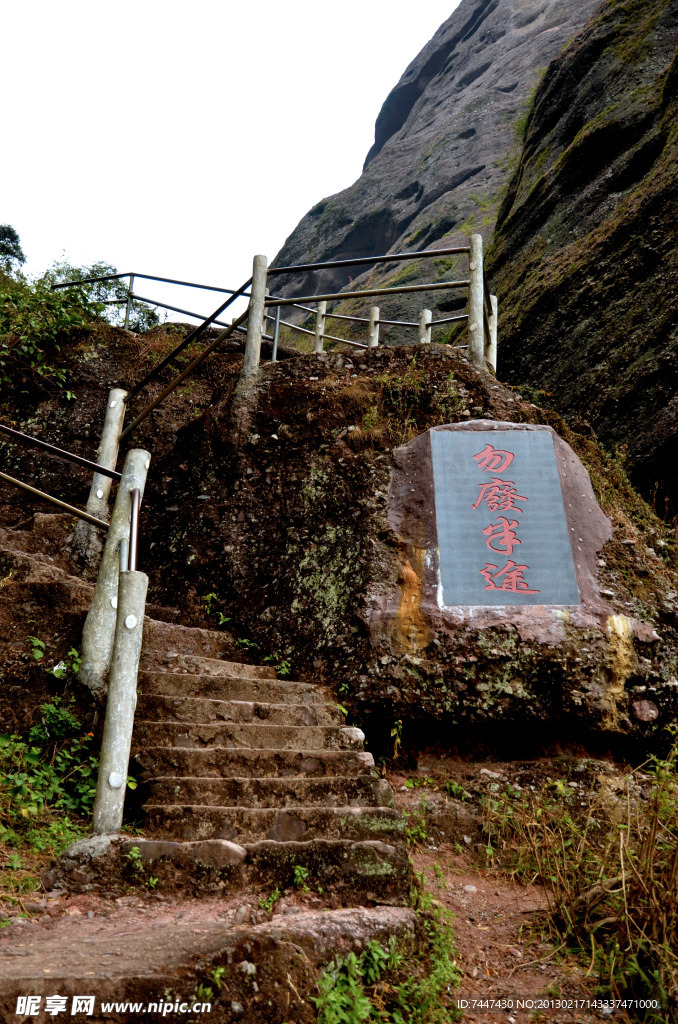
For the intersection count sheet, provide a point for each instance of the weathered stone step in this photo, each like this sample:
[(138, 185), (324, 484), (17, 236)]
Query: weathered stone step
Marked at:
[(187, 684), (197, 664), (255, 737), (196, 710), (340, 791), (248, 825), (223, 762)]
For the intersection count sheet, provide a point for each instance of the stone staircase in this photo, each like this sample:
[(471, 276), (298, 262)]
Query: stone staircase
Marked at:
[(245, 776), (231, 754)]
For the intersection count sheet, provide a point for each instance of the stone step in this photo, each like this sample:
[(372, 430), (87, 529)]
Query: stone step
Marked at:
[(199, 711), (248, 825), (273, 691), (223, 762), (254, 737), (199, 647), (198, 664), (340, 791)]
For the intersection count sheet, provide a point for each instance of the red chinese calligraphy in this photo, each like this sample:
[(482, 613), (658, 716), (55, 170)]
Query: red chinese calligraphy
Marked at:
[(500, 496), (501, 536), (493, 460), (510, 577)]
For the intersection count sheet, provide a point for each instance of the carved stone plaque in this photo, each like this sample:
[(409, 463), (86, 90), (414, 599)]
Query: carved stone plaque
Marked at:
[(503, 537)]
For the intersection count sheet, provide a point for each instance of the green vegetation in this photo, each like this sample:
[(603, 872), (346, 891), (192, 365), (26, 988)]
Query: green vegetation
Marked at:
[(608, 859), (404, 983), (267, 903), (36, 322)]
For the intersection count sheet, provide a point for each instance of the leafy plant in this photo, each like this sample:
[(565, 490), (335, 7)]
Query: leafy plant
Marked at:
[(394, 984), (300, 875), (37, 647), (282, 666), (267, 903), (416, 829)]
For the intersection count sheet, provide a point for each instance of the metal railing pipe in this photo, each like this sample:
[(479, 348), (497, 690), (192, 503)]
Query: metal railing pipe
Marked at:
[(476, 309), (449, 320), (130, 296), (100, 625), (120, 704), (368, 292), (85, 541), (55, 501), (373, 328), (387, 258), (34, 442), (177, 309), (255, 319), (187, 341), (343, 316), (177, 380), (146, 277), (319, 327), (400, 323), (89, 280), (134, 530)]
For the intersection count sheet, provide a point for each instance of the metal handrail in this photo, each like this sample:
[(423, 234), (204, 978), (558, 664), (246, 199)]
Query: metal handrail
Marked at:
[(187, 340), (55, 501), (59, 452), (388, 258), (189, 369), (134, 531), (146, 277), (366, 292)]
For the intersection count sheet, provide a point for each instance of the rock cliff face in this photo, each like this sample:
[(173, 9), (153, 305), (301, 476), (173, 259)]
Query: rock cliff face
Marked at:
[(444, 143), (585, 253)]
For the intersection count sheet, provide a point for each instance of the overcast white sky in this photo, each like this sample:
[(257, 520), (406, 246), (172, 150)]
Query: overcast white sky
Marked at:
[(181, 138)]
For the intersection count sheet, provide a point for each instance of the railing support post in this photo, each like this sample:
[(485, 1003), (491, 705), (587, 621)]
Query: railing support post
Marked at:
[(255, 318), (86, 538), (319, 327), (99, 629), (121, 704), (276, 334), (373, 337), (476, 345), (128, 307), (491, 353), (424, 333)]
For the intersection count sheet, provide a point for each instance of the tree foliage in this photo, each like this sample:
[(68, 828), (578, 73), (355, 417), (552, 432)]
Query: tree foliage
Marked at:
[(11, 253)]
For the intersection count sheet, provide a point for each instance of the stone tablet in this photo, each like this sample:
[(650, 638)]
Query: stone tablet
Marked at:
[(502, 532)]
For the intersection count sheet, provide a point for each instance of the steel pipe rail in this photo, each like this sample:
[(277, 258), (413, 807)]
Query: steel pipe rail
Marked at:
[(134, 531), (398, 323), (449, 319), (175, 309), (55, 501), (35, 442), (146, 277), (187, 340), (366, 293), (342, 316), (188, 370), (361, 260), (305, 330)]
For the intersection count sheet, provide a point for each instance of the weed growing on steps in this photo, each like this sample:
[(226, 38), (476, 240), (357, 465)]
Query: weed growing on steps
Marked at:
[(609, 863), (403, 983), (416, 829), (267, 903)]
